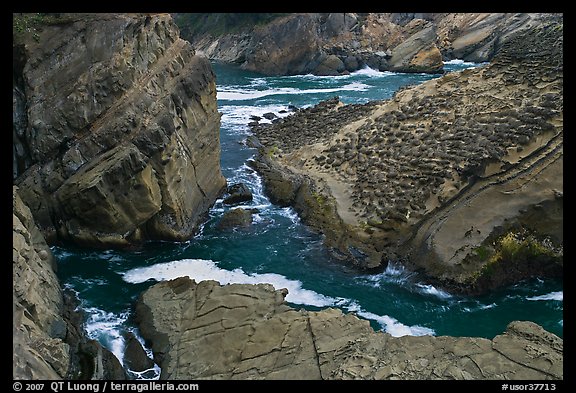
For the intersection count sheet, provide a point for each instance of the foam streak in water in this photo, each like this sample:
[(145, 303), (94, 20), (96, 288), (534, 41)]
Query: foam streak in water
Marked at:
[(559, 296), (105, 327), (234, 94), (397, 274), (200, 269)]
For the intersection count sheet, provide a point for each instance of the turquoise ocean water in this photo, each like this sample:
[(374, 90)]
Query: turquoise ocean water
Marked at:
[(278, 249)]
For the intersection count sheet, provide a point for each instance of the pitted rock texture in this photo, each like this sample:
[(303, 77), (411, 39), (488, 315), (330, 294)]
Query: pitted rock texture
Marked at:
[(240, 331), (117, 131), (439, 174)]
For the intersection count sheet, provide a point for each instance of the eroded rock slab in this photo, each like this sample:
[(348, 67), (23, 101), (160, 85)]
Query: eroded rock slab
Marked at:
[(240, 331)]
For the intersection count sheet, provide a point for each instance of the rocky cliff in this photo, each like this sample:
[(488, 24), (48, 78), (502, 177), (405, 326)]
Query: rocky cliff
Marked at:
[(460, 177), (336, 43), (48, 340), (116, 129), (240, 331)]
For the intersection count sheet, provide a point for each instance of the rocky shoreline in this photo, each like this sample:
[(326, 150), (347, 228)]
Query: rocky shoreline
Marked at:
[(240, 331), (460, 177), (116, 142), (49, 341), (340, 43)]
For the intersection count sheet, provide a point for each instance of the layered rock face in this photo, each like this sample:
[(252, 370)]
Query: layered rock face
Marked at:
[(240, 331), (48, 342), (336, 43), (116, 131), (38, 326), (461, 177)]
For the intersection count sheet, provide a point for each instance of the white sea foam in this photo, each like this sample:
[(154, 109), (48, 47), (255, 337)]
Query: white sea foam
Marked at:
[(201, 269), (365, 71), (394, 269), (390, 325), (60, 253), (237, 117), (394, 273), (258, 81), (240, 94), (371, 72), (479, 306), (290, 214), (467, 64), (459, 62), (559, 296), (431, 290), (105, 327)]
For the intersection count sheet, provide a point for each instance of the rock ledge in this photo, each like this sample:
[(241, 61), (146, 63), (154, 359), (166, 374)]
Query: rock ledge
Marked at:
[(241, 331)]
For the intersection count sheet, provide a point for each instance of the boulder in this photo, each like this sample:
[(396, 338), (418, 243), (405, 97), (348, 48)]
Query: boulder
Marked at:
[(351, 63), (418, 53), (331, 65), (135, 357), (269, 116), (235, 218), (237, 193)]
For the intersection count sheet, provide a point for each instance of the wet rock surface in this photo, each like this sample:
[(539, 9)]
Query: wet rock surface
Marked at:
[(237, 193), (240, 331), (235, 218)]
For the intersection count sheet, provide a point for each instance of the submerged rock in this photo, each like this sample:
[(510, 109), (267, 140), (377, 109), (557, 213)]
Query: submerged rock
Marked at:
[(240, 331), (235, 218)]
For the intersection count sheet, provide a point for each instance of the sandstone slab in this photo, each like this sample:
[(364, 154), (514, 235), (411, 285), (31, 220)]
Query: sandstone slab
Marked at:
[(240, 331)]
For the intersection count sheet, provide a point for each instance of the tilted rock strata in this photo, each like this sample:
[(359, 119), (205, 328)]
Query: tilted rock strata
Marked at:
[(240, 331), (48, 340), (439, 170), (38, 326), (337, 43), (118, 130)]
